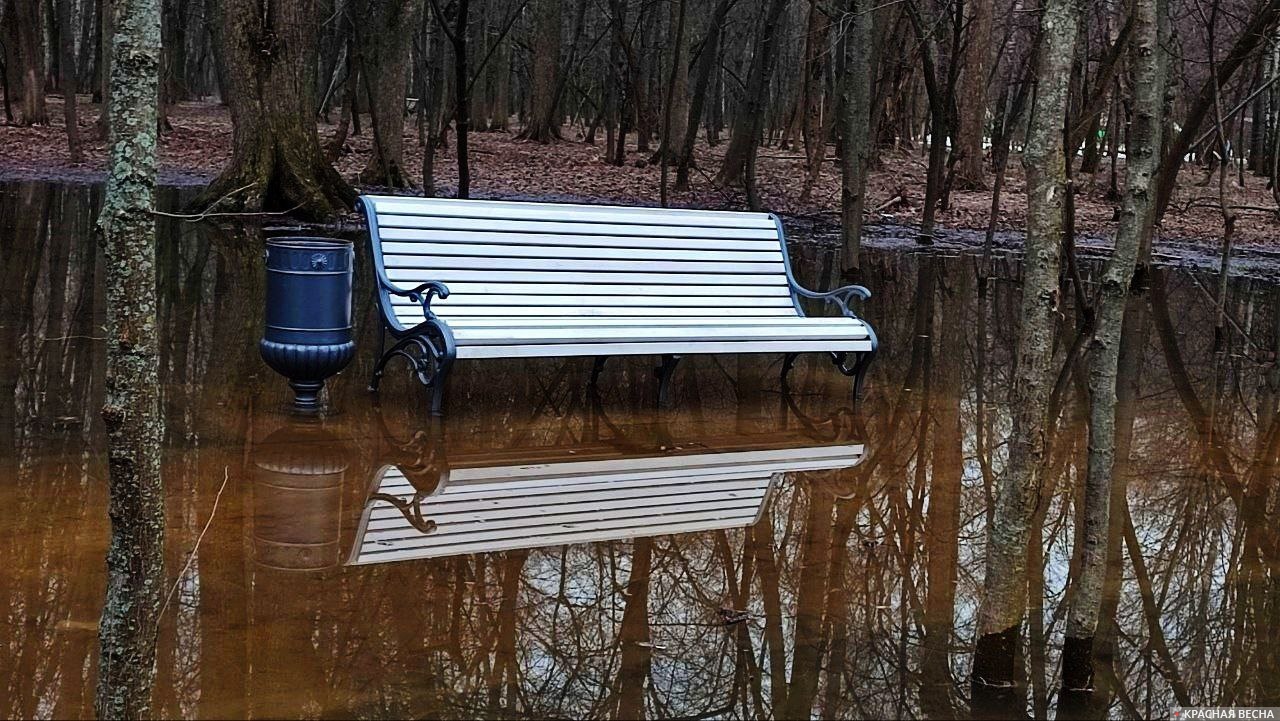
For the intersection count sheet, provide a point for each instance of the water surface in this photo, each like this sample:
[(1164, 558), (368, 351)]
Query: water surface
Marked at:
[(549, 551)]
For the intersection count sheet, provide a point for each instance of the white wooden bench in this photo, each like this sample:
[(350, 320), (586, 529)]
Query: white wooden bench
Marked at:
[(486, 508), (494, 279)]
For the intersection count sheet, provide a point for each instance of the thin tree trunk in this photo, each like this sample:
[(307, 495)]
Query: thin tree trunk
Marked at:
[(972, 100), (1135, 220), (131, 411), (707, 60), (1003, 601), (677, 62), (815, 70), (739, 159), (68, 81), (855, 131)]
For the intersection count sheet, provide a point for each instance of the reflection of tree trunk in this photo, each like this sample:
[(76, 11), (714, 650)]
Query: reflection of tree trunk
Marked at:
[(772, 599), (1181, 380), (503, 675), (942, 527), (633, 671), (1135, 220), (811, 591), (1004, 590), (131, 410)]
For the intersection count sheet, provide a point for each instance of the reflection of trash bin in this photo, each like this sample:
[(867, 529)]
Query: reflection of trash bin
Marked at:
[(297, 474), (308, 315)]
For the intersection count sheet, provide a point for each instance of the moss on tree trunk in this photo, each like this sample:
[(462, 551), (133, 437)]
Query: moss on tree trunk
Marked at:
[(131, 412)]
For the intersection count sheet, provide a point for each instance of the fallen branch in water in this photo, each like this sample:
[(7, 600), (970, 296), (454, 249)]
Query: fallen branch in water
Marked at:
[(226, 475)]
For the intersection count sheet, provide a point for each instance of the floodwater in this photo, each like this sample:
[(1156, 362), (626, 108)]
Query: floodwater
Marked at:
[(551, 552)]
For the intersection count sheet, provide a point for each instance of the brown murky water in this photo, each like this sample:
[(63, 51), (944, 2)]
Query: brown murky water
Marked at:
[(549, 552)]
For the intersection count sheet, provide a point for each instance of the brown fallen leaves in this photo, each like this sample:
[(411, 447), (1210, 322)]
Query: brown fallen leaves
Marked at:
[(199, 144)]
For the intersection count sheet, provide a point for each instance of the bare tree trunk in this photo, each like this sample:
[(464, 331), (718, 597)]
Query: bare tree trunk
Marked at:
[(1135, 220), (749, 118), (384, 31), (677, 64), (131, 411), (28, 36), (67, 51), (544, 118), (972, 100), (276, 161), (707, 61), (1003, 602), (855, 131), (815, 70), (675, 109)]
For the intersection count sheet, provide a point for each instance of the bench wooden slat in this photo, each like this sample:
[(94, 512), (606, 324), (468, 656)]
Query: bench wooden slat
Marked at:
[(498, 541), (495, 209), (642, 322), (570, 505), (553, 350), (443, 263), (490, 250), (585, 229), (413, 276), (463, 292), (513, 335), (550, 240), (485, 311)]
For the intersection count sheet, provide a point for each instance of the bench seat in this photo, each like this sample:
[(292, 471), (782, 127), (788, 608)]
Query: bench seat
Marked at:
[(482, 279)]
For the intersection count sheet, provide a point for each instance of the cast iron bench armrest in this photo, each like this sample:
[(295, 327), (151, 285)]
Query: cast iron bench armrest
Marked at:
[(839, 296), (416, 294)]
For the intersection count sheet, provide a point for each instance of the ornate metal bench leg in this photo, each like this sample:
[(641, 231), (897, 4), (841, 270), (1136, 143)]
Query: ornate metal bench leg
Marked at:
[(437, 388), (664, 373), (787, 362), (860, 372), (596, 367), (382, 361)]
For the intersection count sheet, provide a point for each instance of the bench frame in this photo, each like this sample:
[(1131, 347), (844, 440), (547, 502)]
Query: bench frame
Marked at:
[(430, 349)]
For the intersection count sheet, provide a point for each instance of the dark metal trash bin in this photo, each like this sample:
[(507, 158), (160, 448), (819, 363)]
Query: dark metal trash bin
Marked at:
[(308, 334)]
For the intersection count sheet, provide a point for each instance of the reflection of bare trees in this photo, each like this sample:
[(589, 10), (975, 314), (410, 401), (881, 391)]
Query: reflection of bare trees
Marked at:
[(853, 596)]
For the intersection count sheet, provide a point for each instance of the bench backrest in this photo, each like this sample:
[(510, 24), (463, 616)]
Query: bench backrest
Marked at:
[(514, 259)]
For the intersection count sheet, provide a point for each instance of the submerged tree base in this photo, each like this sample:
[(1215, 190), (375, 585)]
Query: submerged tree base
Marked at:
[(273, 176), (996, 693)]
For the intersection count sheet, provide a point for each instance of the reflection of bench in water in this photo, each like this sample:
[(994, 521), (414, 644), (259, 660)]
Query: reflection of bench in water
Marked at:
[(483, 509)]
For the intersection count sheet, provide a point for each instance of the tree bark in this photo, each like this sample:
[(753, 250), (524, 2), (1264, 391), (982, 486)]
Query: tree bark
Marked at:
[(1000, 612), (384, 30), (267, 63), (544, 120), (1135, 220), (855, 131), (815, 72), (970, 172), (67, 51), (675, 108), (707, 57), (749, 118), (131, 411), (28, 38)]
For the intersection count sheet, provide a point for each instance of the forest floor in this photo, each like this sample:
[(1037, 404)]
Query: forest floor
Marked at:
[(501, 166)]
